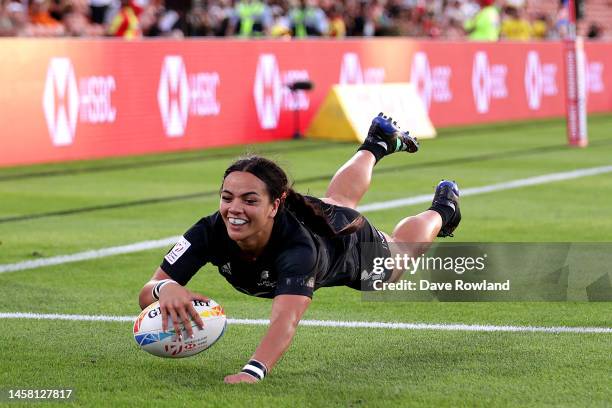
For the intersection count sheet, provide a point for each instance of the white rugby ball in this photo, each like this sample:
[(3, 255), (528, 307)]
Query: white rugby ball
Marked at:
[(150, 337)]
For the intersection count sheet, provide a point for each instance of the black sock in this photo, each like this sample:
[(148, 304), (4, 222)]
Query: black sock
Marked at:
[(377, 150), (445, 212)]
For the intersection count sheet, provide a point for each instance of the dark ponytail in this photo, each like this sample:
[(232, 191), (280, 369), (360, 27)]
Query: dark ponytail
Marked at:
[(277, 184)]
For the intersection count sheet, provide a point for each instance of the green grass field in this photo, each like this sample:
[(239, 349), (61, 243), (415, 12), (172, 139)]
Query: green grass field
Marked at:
[(58, 209)]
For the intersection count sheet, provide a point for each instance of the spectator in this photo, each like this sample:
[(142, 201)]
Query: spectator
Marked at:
[(282, 18), (469, 8), (485, 24), (41, 21), (253, 18), (453, 30), (540, 27), (562, 21), (13, 19), (308, 19), (356, 12), (337, 27), (454, 12), (148, 20), (77, 22), (99, 11), (594, 32), (514, 25), (383, 24), (431, 25), (221, 18), (281, 25), (126, 23)]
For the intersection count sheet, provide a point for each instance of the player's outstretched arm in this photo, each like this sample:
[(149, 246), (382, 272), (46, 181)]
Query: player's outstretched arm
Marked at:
[(287, 310)]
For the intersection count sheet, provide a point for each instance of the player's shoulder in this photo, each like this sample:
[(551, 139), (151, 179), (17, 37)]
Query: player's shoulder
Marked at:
[(292, 238), (213, 221), (289, 229), (208, 226)]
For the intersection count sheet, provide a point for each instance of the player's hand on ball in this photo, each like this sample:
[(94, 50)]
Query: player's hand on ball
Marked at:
[(175, 301), (239, 378)]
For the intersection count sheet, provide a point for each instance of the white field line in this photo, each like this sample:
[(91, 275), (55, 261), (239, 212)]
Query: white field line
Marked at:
[(93, 254), (507, 185), (384, 205), (334, 323)]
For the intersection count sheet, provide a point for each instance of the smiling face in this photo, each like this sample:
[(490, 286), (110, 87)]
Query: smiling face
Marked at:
[(247, 210)]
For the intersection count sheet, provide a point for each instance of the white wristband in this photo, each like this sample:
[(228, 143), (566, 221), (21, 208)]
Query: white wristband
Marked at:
[(159, 285), (255, 369)]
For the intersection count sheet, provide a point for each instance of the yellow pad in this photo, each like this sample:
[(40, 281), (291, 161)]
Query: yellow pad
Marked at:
[(347, 111)]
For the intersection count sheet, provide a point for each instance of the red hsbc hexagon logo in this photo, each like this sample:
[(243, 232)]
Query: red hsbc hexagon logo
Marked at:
[(68, 100), (432, 82), (351, 72), (267, 91), (271, 93), (540, 80), (488, 82), (173, 96), (594, 74), (61, 101)]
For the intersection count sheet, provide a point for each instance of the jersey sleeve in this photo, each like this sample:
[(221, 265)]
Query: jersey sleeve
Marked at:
[(296, 271), (189, 254)]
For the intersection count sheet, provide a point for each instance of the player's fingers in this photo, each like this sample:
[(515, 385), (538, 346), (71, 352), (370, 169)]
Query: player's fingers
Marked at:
[(197, 296), (196, 317), (186, 320), (175, 322), (164, 315)]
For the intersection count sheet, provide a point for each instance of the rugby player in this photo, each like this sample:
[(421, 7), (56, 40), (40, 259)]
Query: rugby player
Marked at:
[(270, 241)]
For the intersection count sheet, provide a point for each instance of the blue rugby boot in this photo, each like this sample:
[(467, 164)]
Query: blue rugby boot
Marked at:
[(385, 137), (446, 203)]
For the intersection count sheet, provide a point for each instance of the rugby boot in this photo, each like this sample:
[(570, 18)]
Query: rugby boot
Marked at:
[(446, 202), (385, 137)]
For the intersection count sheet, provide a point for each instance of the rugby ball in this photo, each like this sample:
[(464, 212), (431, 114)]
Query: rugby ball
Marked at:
[(151, 338)]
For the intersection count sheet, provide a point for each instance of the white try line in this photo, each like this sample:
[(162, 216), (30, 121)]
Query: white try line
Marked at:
[(384, 205), (334, 323)]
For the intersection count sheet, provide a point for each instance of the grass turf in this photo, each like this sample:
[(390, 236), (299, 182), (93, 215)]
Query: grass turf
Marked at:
[(324, 366)]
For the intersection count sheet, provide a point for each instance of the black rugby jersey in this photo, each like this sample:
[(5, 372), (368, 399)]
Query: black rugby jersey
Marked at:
[(296, 261)]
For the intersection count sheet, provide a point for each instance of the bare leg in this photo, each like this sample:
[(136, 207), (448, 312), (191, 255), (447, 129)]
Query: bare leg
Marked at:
[(423, 227), (349, 185), (351, 181), (413, 236)]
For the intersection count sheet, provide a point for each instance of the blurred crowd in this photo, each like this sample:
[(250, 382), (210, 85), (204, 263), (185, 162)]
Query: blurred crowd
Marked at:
[(445, 19)]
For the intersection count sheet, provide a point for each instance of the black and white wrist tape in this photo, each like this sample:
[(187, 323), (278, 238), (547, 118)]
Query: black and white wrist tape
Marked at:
[(256, 369), (159, 285)]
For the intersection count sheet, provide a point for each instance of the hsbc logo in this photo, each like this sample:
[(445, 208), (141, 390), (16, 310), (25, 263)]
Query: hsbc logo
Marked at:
[(540, 80), (351, 72), (180, 95), (270, 93), (173, 96), (63, 99), (267, 91), (594, 76), (432, 82), (488, 82)]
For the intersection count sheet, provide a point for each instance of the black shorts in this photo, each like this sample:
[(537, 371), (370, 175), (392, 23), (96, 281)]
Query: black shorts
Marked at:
[(373, 247), (354, 257)]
